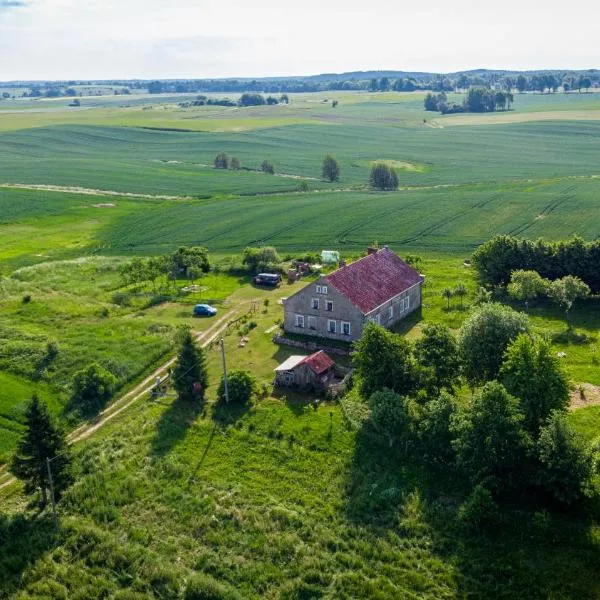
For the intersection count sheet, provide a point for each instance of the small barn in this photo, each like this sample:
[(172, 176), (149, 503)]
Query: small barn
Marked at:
[(315, 371)]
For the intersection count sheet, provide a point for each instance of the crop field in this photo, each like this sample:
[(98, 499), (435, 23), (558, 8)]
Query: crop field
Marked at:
[(280, 500)]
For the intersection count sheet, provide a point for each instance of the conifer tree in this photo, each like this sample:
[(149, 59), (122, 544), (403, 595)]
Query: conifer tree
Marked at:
[(190, 368), (43, 439)]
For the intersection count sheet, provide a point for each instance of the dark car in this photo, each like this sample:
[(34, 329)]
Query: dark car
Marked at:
[(267, 279), (204, 310)]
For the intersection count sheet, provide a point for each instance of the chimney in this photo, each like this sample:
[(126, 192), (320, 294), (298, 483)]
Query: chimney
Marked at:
[(372, 250)]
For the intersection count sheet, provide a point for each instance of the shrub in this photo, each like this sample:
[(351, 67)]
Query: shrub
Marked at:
[(26, 298), (204, 587), (92, 388), (234, 164), (240, 385)]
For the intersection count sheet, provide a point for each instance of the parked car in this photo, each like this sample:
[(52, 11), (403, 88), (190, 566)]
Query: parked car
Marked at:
[(267, 279), (204, 310)]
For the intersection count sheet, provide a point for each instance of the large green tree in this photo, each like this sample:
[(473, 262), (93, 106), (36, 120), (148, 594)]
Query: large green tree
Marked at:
[(565, 291), (190, 368), (390, 415), (566, 465), (527, 285), (383, 177), (490, 439), (437, 349), (383, 359), (261, 259), (435, 427), (240, 386), (484, 337), (43, 439), (532, 373)]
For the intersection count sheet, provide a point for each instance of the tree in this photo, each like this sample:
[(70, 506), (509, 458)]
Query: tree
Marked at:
[(41, 440), (267, 167), (532, 373), (221, 161), (438, 349), (484, 337), (383, 177), (92, 388), (331, 168), (260, 259), (526, 285), (190, 377), (461, 291), (566, 465), (240, 386), (190, 257), (435, 427), (271, 100), (489, 437), (383, 359), (447, 294), (565, 291), (252, 100), (585, 82), (521, 83), (390, 415), (234, 164)]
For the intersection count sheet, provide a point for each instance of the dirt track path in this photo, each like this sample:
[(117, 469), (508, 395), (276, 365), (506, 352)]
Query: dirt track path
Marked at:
[(125, 401)]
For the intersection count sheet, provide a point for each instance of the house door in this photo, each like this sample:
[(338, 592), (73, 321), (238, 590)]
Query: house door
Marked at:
[(289, 378)]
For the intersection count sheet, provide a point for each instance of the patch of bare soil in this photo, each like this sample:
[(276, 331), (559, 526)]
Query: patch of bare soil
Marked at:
[(585, 394)]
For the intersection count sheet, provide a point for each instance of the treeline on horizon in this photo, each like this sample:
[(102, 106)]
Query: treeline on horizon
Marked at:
[(538, 81)]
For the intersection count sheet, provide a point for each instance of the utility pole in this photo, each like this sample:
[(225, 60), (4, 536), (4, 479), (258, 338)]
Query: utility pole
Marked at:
[(225, 382), (52, 498)]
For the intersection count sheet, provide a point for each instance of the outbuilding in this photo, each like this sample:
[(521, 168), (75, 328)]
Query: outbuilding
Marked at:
[(315, 371)]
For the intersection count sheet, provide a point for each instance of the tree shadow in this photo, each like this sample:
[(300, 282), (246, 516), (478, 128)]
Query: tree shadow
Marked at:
[(394, 492), (224, 414), (173, 425), (23, 540)]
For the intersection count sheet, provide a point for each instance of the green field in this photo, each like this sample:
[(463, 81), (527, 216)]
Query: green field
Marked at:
[(281, 501)]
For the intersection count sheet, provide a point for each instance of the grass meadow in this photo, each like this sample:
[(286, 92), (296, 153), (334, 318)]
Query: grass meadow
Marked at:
[(279, 499)]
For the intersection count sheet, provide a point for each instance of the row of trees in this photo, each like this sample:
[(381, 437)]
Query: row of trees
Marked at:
[(496, 260), (478, 100), (188, 262), (511, 437)]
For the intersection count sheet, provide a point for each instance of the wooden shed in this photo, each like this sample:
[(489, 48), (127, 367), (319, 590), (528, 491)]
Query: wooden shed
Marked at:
[(314, 371)]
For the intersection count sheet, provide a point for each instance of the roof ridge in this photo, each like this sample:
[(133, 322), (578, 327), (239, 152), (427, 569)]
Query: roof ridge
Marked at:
[(358, 260)]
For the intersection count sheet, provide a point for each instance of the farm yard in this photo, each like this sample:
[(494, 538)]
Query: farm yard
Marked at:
[(283, 498)]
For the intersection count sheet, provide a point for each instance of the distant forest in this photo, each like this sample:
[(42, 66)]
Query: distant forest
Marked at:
[(508, 81)]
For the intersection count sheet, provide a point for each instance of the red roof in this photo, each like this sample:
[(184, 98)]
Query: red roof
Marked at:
[(374, 279), (319, 362)]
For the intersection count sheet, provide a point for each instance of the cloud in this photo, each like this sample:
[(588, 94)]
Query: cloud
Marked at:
[(12, 4)]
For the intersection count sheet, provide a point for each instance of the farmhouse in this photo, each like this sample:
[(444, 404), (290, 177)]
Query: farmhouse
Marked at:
[(314, 371), (380, 287)]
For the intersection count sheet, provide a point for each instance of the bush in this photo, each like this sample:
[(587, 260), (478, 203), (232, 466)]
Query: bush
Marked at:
[(234, 164), (26, 298), (240, 386), (92, 388), (205, 587)]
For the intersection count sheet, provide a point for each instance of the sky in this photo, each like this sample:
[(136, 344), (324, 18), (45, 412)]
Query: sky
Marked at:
[(125, 39)]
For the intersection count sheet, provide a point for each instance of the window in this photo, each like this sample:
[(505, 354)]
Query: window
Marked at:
[(299, 320), (321, 289), (315, 303), (346, 328), (312, 323), (375, 319), (390, 312), (329, 305), (407, 303), (402, 309), (331, 326)]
